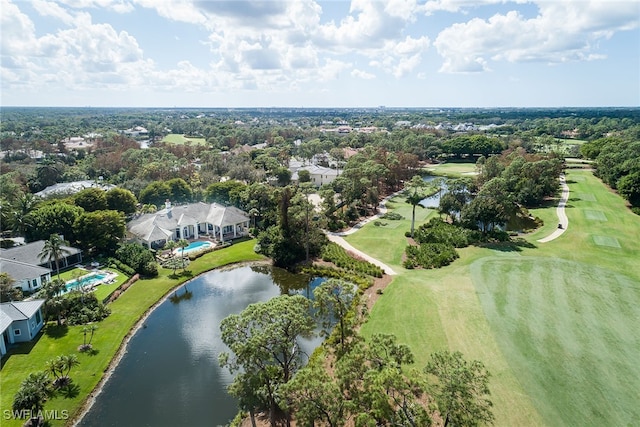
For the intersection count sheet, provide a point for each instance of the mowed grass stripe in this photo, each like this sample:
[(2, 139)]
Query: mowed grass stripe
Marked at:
[(566, 344)]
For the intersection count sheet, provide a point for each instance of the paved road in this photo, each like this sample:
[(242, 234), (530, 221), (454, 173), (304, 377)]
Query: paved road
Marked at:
[(337, 237), (562, 216)]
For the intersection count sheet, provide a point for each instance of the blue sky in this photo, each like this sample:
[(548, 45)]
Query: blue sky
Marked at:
[(308, 53)]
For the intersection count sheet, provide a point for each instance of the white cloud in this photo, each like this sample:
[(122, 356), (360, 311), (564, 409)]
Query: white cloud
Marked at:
[(368, 25), (175, 10), (562, 31), (86, 55), (47, 8), (18, 30), (359, 74), (119, 6)]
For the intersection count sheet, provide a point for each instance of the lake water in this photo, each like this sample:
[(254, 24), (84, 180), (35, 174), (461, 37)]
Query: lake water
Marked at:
[(170, 374), (432, 201)]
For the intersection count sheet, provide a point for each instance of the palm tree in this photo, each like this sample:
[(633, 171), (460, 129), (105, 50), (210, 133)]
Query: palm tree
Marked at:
[(34, 391), (53, 251), (23, 205), (170, 246), (86, 329), (253, 213), (54, 288), (60, 367), (182, 243), (414, 196)]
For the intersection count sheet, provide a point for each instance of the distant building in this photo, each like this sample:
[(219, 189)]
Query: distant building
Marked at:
[(318, 175), (136, 131), (69, 188)]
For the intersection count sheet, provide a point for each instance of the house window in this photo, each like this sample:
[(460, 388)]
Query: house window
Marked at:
[(17, 332), (38, 318), (227, 229), (35, 283)]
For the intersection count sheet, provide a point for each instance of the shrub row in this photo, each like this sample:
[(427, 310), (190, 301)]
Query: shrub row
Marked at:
[(120, 289), (339, 256), (363, 282), (118, 265)]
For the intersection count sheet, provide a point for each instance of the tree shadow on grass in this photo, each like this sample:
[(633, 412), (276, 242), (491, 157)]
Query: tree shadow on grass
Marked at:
[(70, 391), (56, 331), (514, 245), (186, 273), (92, 351)]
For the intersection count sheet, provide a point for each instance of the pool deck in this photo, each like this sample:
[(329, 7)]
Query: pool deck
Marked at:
[(210, 245), (109, 278)]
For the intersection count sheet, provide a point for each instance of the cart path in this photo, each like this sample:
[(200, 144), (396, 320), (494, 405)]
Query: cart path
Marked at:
[(338, 237), (562, 216)]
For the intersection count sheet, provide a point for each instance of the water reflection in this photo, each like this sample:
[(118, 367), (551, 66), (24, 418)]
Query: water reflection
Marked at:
[(170, 374)]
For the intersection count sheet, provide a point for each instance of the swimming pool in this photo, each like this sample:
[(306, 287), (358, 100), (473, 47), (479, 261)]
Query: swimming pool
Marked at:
[(86, 280), (196, 246)]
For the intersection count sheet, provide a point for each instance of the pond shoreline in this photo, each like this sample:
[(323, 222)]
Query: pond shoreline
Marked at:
[(89, 401)]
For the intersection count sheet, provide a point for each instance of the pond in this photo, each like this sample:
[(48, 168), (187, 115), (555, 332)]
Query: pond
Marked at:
[(169, 375), (433, 201)]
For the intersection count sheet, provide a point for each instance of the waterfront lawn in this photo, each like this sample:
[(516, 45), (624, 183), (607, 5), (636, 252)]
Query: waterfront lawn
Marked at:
[(126, 311), (553, 323)]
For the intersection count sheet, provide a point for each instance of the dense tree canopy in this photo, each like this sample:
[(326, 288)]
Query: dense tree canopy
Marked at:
[(262, 340), (53, 218)]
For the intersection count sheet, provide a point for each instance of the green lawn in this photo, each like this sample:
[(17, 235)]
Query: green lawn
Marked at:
[(453, 169), (176, 138), (126, 311), (555, 324)]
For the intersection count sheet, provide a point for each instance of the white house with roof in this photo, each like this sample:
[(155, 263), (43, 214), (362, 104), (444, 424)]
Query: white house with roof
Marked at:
[(318, 175), (189, 222), (24, 265), (20, 321), (28, 277), (68, 188)]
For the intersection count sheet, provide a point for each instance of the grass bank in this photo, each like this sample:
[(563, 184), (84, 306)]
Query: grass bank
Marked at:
[(126, 311), (553, 323)]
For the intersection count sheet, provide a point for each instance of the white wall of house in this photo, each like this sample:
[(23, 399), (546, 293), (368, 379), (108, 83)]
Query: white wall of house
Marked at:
[(34, 283), (322, 178)]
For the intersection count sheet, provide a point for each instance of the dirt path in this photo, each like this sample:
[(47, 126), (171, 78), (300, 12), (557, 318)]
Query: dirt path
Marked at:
[(562, 216)]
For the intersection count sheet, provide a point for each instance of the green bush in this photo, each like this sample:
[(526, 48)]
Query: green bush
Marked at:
[(83, 308), (438, 231), (139, 258), (392, 216), (114, 263), (430, 255)]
